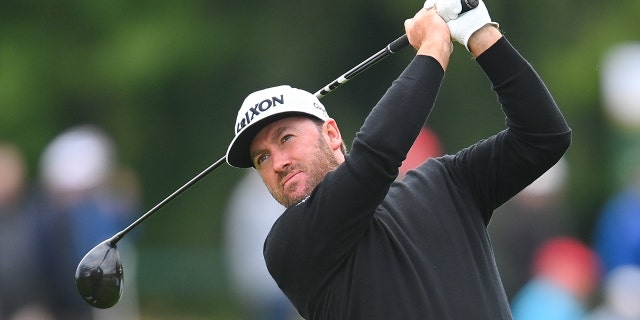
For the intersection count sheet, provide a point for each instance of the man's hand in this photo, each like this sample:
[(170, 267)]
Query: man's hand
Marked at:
[(429, 34), (462, 26)]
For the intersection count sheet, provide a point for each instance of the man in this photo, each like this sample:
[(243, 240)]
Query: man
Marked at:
[(354, 244)]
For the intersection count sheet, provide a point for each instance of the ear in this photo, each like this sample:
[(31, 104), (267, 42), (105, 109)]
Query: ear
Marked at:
[(332, 134)]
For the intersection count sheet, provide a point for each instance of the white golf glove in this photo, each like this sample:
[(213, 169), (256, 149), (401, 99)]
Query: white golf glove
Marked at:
[(446, 9), (461, 26)]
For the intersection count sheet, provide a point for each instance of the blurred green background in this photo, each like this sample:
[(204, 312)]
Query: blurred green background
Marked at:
[(165, 79)]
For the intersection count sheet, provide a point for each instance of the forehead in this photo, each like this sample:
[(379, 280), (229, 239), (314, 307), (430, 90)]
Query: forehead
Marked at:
[(294, 123)]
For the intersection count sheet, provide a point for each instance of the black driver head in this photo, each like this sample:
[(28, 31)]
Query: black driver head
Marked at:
[(99, 276)]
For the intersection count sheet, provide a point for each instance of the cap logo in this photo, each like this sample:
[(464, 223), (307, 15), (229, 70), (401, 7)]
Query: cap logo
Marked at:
[(321, 109), (259, 107)]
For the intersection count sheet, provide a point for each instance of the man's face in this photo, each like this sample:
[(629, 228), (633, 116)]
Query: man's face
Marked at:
[(292, 156)]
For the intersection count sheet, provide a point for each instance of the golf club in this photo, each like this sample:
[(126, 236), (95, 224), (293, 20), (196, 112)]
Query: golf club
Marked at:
[(393, 47), (99, 275)]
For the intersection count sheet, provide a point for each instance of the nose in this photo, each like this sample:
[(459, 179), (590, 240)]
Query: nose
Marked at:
[(280, 160)]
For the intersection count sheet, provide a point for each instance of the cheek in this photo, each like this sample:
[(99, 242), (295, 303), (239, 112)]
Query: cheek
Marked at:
[(305, 148), (267, 177)]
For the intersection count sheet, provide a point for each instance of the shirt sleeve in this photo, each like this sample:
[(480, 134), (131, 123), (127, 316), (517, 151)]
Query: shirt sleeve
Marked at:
[(536, 136)]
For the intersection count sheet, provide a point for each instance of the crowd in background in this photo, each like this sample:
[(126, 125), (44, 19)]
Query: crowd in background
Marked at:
[(80, 197), (550, 272)]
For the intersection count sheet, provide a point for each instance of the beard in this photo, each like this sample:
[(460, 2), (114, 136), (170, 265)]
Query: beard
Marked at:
[(321, 162)]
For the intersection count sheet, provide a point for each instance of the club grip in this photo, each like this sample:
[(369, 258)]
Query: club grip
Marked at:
[(468, 5), (402, 41)]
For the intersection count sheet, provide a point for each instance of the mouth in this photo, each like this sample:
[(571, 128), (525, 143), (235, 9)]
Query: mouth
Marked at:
[(288, 177)]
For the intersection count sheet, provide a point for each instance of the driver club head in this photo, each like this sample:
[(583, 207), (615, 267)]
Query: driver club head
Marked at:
[(99, 276)]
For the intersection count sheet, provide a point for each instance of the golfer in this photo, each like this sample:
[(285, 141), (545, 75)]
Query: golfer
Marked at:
[(354, 243)]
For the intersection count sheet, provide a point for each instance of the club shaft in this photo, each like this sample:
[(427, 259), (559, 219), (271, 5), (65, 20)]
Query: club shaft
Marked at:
[(176, 193), (391, 48)]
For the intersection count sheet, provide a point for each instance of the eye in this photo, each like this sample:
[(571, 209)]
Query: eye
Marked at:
[(286, 138), (259, 159)]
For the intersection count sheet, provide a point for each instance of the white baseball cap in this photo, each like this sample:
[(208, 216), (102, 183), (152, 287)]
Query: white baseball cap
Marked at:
[(263, 107)]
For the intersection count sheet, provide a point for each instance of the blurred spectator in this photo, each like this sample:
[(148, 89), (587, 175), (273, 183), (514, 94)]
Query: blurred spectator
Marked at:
[(565, 275), (617, 230), (249, 216), (620, 84), (19, 286), (525, 222), (621, 295), (79, 208)]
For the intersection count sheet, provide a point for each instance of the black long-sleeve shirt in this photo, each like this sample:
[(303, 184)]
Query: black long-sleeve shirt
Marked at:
[(364, 246)]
